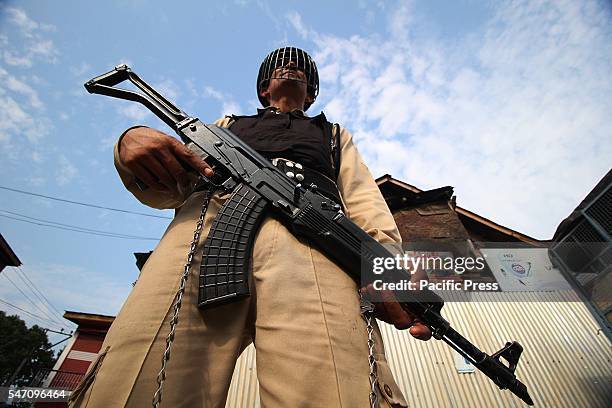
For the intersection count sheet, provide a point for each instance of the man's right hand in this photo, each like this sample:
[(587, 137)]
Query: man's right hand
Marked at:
[(159, 160)]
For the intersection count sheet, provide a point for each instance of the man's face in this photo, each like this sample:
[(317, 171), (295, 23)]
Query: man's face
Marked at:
[(289, 71), (287, 81)]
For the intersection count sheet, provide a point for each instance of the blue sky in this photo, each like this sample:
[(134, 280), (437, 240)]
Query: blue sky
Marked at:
[(509, 102)]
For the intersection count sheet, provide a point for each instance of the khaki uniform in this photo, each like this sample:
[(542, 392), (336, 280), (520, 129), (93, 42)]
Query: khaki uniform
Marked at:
[(303, 315)]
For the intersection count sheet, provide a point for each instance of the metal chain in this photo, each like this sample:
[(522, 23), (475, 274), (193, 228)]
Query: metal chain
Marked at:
[(178, 299), (367, 312)]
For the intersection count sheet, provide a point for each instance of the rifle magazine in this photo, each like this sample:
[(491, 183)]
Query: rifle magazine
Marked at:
[(224, 273)]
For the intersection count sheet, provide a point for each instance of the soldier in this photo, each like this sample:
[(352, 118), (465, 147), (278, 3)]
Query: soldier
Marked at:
[(303, 314)]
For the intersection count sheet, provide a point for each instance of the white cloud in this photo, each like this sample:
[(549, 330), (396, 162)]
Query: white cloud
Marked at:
[(17, 60), (36, 157), (15, 122), (23, 121), (517, 118), (400, 21), (11, 115), (22, 88), (36, 44), (36, 181), (20, 117), (81, 69), (169, 89), (66, 171), (296, 21), (21, 19), (44, 48), (134, 112), (229, 105), (212, 92)]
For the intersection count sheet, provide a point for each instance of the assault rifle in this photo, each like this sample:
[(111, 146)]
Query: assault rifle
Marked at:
[(258, 187)]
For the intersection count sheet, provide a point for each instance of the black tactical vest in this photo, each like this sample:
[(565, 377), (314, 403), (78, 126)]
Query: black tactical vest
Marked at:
[(293, 136)]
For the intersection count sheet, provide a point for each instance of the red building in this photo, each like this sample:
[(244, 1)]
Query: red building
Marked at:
[(80, 352)]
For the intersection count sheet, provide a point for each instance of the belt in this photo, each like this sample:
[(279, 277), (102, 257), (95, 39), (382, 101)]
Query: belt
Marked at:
[(306, 177)]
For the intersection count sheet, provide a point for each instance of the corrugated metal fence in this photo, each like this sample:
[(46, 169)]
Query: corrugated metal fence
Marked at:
[(565, 363)]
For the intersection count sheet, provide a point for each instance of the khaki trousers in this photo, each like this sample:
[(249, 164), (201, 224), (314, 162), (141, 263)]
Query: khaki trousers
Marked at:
[(303, 317)]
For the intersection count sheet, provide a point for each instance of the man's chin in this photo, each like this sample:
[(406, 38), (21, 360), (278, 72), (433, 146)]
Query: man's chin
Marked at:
[(292, 84)]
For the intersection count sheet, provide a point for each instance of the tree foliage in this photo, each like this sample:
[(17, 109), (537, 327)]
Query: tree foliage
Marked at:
[(17, 343)]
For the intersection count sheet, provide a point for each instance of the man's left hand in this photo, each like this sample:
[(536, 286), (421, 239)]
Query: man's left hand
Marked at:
[(390, 311)]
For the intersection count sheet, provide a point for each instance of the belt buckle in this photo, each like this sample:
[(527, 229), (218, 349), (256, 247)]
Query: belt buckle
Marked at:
[(293, 170)]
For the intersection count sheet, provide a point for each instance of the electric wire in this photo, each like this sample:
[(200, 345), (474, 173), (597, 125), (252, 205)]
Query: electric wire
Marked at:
[(41, 300), (23, 273), (67, 225), (75, 228), (32, 315), (84, 204), (46, 321), (45, 313)]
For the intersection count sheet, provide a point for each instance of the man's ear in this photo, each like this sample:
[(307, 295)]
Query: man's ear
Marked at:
[(309, 99), (265, 94)]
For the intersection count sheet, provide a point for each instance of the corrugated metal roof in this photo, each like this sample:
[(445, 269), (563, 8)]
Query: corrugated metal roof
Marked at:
[(565, 363)]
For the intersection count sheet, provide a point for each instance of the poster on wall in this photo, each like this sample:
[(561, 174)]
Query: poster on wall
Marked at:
[(524, 269)]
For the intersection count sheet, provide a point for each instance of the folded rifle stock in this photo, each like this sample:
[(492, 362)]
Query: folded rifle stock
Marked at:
[(258, 188)]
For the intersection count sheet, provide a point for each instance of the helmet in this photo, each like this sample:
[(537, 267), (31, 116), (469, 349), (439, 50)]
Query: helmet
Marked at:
[(281, 57)]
